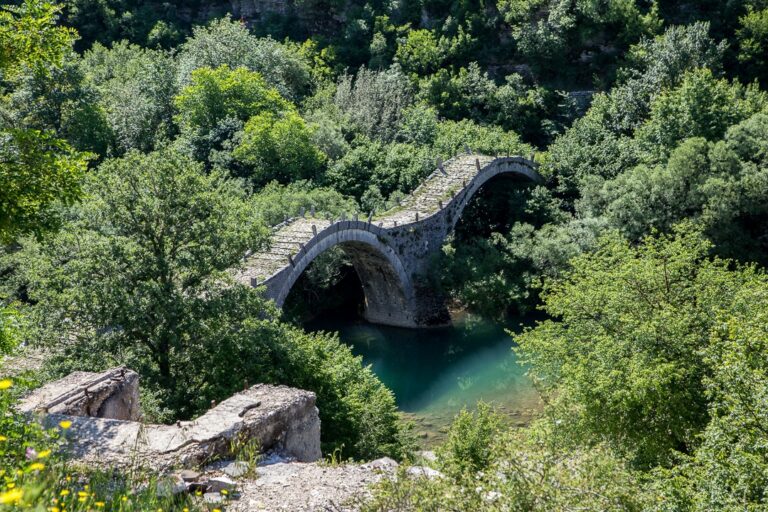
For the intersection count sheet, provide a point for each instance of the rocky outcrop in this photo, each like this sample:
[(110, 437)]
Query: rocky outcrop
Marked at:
[(112, 394), (278, 418)]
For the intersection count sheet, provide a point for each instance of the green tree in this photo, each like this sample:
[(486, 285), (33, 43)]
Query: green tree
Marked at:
[(419, 52), (702, 106), (225, 42), (142, 265), (279, 148), (214, 95), (600, 144), (135, 89), (30, 36), (374, 102), (37, 170), (352, 173), (142, 276), (752, 39), (622, 359), (722, 185), (37, 173)]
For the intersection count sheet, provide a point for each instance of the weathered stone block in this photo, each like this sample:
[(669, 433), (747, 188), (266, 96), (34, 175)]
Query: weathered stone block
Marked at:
[(279, 418), (112, 394)]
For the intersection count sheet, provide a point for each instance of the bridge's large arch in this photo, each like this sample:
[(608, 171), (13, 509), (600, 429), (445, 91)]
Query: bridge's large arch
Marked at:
[(387, 287)]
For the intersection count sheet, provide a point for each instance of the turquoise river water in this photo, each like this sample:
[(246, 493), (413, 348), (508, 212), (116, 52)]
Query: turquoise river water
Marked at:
[(434, 373)]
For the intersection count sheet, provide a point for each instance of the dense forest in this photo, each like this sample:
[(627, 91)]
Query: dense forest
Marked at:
[(146, 146)]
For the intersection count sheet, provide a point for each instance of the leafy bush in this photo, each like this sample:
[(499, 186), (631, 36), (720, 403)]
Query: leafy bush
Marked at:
[(375, 101), (622, 358), (274, 202), (468, 448), (279, 148), (523, 471), (225, 42), (217, 94)]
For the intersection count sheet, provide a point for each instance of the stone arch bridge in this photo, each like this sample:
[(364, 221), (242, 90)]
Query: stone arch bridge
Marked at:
[(390, 252)]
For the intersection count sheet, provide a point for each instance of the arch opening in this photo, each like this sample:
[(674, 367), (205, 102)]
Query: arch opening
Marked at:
[(350, 278)]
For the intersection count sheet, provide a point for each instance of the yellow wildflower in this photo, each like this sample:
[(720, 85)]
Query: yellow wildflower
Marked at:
[(82, 494), (3, 438), (65, 424), (64, 492), (99, 504), (43, 454), (12, 496), (36, 466), (11, 485), (6, 383)]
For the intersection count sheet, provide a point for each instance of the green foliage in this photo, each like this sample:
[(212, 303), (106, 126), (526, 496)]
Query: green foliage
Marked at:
[(600, 144), (30, 37), (135, 88), (720, 184), (454, 136), (622, 358), (215, 95), (141, 267), (419, 53), (275, 201), (752, 38), (279, 148), (469, 445), (732, 462), (10, 319), (141, 277), (377, 170), (701, 106), (225, 42), (374, 101), (358, 412), (525, 471), (37, 173)]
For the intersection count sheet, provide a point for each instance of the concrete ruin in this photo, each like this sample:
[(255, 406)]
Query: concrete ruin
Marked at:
[(112, 394), (103, 408)]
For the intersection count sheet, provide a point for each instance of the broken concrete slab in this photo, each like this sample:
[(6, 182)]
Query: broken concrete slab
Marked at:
[(276, 417), (112, 394)]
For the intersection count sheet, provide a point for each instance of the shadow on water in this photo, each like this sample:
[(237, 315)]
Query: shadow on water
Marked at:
[(434, 373)]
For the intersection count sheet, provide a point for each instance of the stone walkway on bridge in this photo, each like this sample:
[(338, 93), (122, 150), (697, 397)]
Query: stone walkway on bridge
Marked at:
[(288, 238)]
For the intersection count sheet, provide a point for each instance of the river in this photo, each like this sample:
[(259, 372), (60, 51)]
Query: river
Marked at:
[(434, 373)]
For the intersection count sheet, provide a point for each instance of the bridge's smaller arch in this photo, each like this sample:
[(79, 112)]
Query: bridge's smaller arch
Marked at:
[(387, 286), (517, 167)]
